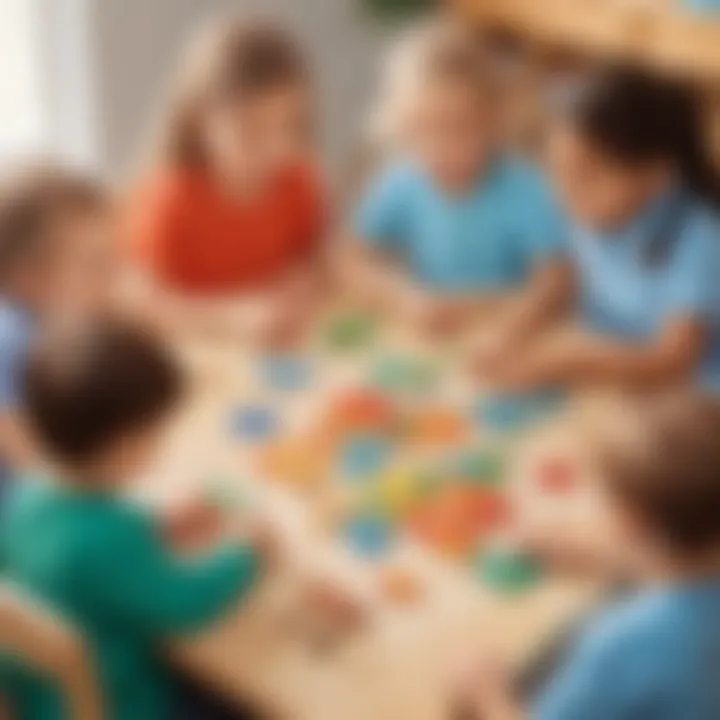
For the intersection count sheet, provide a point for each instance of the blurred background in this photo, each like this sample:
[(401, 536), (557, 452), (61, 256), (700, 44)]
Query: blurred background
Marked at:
[(83, 77)]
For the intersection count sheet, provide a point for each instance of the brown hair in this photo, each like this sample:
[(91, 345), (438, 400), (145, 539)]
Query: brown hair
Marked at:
[(87, 385), (235, 58), (31, 202), (661, 461)]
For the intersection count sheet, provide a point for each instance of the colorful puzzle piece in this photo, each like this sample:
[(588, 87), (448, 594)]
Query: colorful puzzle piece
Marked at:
[(439, 427), (363, 456), (254, 422), (285, 372), (483, 467), (361, 411), (405, 375), (556, 475), (300, 461), (509, 571), (400, 585), (349, 331), (396, 491), (369, 535)]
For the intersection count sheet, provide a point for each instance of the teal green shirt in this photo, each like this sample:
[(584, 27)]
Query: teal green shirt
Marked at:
[(101, 562)]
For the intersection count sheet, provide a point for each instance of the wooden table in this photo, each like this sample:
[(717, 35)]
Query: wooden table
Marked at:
[(402, 664)]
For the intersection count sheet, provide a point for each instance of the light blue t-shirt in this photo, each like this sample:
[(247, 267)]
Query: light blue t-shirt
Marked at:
[(486, 239), (665, 264), (656, 656)]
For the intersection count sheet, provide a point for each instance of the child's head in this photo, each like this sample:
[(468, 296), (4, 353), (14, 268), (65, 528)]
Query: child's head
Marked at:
[(660, 462), (242, 105), (96, 398), (437, 102), (623, 137), (56, 242)]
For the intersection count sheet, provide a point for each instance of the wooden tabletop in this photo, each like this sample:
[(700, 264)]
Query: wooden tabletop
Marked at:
[(402, 663)]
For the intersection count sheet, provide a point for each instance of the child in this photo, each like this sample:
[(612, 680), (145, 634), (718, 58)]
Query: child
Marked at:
[(55, 262), (654, 655), (631, 166), (97, 398), (464, 219), (31, 635), (230, 223)]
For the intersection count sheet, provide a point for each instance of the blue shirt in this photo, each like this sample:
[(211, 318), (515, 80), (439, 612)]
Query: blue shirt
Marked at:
[(656, 656), (487, 239), (625, 293)]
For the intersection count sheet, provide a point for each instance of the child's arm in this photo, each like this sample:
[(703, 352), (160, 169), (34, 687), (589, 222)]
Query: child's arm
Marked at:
[(599, 360), (35, 636), (132, 572)]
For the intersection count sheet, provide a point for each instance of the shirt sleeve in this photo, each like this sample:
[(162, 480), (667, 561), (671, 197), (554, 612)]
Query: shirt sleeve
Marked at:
[(546, 230), (381, 218), (132, 575), (695, 268), (599, 681)]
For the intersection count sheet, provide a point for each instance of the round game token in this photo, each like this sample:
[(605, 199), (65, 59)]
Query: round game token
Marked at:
[(509, 571), (349, 331), (369, 535), (254, 422), (285, 372), (363, 456), (400, 585), (502, 412), (480, 466)]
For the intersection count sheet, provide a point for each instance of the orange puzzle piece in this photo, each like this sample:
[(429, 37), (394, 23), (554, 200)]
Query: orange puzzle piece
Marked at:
[(439, 426), (400, 585), (300, 461), (361, 411)]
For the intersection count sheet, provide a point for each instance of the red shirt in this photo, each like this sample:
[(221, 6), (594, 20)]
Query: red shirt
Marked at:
[(195, 238)]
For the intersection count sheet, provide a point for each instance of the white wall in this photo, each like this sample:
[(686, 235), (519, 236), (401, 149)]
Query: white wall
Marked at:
[(137, 43)]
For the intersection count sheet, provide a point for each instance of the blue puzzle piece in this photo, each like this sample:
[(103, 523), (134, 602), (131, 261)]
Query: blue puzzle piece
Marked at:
[(285, 372), (254, 422), (369, 536), (364, 456), (507, 412)]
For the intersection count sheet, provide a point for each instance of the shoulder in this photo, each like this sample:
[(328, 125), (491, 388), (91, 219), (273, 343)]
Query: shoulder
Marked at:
[(171, 188), (399, 175)]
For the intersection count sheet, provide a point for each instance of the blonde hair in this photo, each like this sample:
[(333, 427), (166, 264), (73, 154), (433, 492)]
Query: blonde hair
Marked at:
[(233, 58), (429, 52)]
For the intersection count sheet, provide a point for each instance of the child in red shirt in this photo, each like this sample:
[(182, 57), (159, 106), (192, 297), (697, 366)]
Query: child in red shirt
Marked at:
[(230, 223)]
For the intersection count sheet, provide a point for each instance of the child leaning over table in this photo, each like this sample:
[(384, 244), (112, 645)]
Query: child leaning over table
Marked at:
[(452, 220), (97, 399), (655, 655)]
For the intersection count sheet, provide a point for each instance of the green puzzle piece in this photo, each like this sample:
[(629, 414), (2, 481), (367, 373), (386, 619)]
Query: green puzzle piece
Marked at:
[(508, 571), (404, 374), (349, 331), (481, 466)]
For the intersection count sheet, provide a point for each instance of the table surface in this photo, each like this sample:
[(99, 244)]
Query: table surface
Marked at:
[(402, 664)]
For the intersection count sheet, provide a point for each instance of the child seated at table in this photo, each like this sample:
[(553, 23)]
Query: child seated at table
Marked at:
[(30, 635), (55, 262), (97, 398), (228, 226), (644, 251), (452, 218), (652, 655)]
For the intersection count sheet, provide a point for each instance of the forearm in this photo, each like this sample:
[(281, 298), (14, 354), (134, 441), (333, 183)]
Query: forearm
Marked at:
[(16, 446)]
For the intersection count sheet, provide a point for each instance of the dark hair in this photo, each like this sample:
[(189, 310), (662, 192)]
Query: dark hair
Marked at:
[(662, 462), (87, 385), (31, 201), (638, 117), (236, 58)]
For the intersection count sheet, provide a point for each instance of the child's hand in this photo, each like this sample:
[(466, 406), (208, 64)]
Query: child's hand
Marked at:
[(492, 354), (266, 538), (485, 691), (192, 521), (335, 604), (437, 316)]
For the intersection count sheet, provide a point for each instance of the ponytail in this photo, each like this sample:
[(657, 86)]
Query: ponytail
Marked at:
[(638, 118)]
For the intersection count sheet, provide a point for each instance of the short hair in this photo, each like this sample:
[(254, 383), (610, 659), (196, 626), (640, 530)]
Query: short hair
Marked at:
[(236, 58), (87, 385), (31, 201), (661, 461)]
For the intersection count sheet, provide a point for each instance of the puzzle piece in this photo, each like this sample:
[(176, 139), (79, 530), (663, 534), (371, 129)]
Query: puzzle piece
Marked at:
[(369, 535), (254, 422), (400, 585), (285, 372), (349, 331), (397, 491), (509, 571), (503, 413), (405, 375), (300, 461), (483, 467), (363, 456), (439, 427), (362, 412)]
